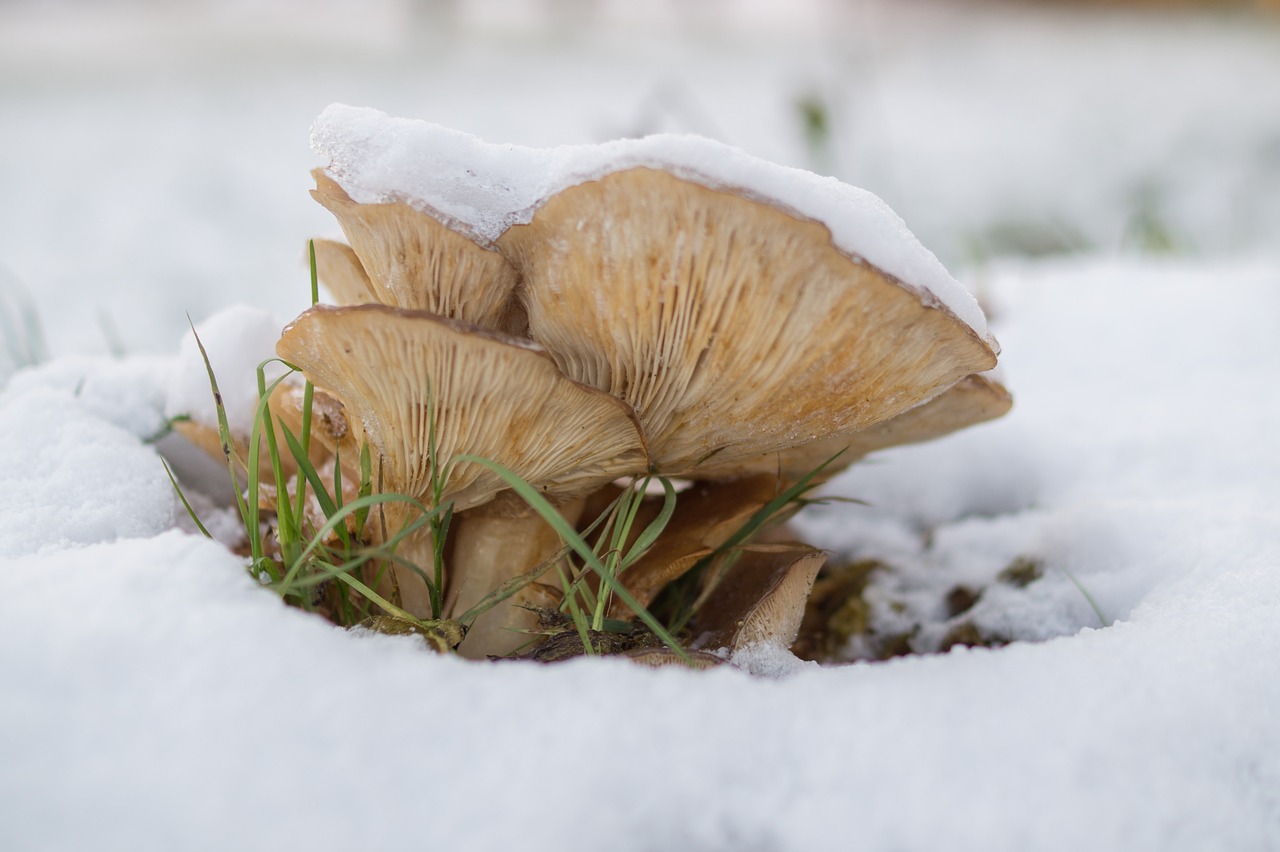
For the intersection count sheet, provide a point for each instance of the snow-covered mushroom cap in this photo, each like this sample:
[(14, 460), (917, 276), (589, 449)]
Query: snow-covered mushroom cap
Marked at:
[(739, 307), (399, 374), (483, 189)]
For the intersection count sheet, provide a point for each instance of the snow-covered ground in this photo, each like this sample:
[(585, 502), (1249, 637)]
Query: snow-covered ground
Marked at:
[(155, 698)]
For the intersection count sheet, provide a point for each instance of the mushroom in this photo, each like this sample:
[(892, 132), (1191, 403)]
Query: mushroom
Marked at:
[(741, 344), (732, 327), (407, 379), (760, 599), (414, 261)]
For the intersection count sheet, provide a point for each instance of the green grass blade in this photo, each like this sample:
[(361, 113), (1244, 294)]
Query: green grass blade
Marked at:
[(366, 484), (190, 511), (369, 593), (308, 392), (315, 277), (248, 515), (354, 506), (777, 504), (579, 619), (650, 534), (1097, 610), (308, 389), (309, 473)]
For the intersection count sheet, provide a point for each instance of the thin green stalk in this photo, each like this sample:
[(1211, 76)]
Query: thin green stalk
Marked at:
[(247, 514), (296, 564), (1097, 610), (312, 476), (579, 619), (183, 497), (308, 389)]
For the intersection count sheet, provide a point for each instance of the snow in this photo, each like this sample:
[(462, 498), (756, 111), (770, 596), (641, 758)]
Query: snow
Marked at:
[(73, 478), (156, 697), (156, 658), (484, 189)]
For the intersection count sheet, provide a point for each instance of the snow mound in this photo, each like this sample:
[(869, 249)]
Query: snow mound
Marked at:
[(71, 477), (484, 188)]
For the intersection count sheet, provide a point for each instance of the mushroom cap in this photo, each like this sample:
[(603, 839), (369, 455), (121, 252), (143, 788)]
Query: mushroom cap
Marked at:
[(416, 262), (972, 400), (732, 327), (398, 372), (760, 599)]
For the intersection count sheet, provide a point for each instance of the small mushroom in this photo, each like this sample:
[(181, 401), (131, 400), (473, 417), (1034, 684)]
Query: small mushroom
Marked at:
[(408, 378), (414, 261), (760, 599), (330, 433)]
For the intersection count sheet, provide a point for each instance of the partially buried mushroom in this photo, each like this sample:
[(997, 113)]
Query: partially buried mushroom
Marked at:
[(680, 325)]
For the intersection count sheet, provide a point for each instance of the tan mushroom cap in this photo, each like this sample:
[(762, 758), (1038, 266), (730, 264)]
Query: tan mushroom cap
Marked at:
[(974, 399), (732, 327), (396, 372), (416, 262), (760, 599)]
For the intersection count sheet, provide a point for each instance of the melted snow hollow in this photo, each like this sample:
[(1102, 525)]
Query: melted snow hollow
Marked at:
[(485, 188)]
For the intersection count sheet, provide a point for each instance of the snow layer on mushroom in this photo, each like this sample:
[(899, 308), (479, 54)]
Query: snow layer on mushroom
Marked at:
[(487, 188)]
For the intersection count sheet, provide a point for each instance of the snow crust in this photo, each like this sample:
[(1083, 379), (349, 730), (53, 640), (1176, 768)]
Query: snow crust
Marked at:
[(486, 188), (154, 688)]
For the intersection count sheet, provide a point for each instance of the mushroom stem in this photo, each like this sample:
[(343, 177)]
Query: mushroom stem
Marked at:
[(492, 544), (415, 557)]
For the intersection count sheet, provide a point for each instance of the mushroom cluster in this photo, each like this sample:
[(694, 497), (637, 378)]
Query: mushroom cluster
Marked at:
[(640, 319)]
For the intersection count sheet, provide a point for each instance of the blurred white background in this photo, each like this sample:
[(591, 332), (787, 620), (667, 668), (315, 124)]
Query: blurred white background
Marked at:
[(154, 157)]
